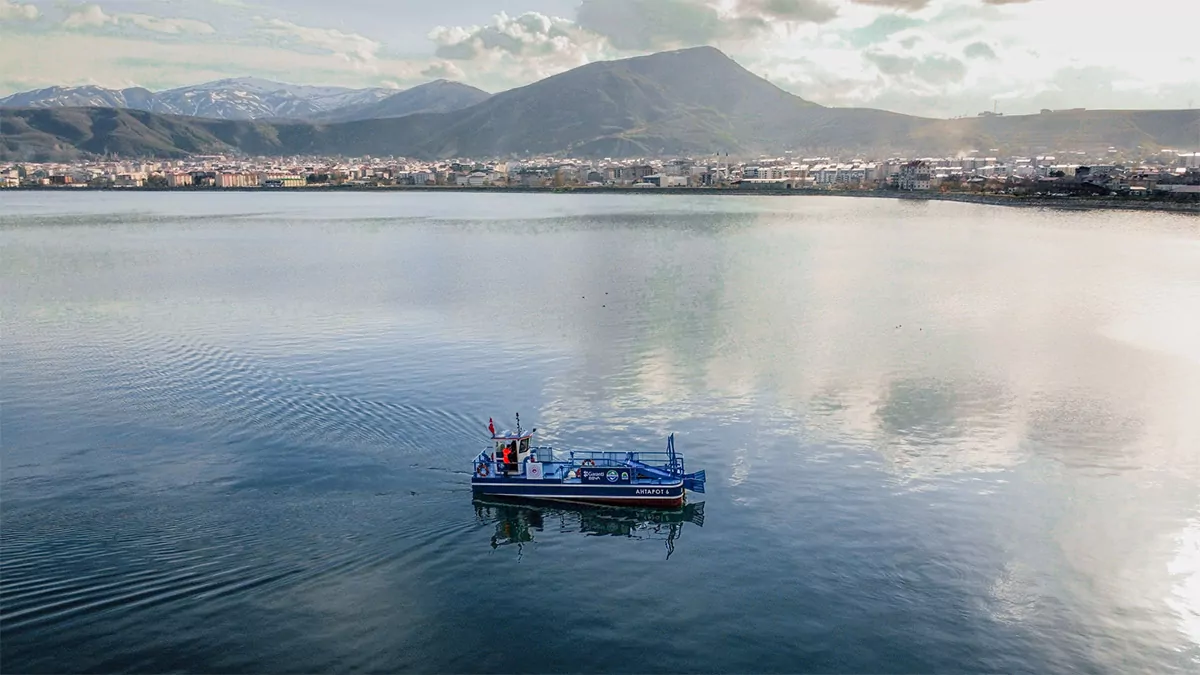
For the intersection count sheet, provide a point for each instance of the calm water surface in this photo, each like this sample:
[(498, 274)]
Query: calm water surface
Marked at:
[(939, 437)]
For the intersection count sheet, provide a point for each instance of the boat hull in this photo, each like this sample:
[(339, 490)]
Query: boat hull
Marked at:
[(659, 495)]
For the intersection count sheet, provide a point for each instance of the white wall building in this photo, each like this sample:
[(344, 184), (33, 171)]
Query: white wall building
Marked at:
[(914, 175)]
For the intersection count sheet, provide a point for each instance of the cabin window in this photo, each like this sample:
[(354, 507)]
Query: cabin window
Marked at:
[(524, 445)]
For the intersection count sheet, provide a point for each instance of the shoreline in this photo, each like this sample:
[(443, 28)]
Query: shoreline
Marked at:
[(1068, 203)]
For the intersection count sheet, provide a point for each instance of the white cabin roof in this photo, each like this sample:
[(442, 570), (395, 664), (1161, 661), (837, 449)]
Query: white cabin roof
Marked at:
[(511, 435)]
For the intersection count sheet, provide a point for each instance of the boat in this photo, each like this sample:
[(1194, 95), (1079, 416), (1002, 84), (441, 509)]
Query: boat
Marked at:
[(512, 466)]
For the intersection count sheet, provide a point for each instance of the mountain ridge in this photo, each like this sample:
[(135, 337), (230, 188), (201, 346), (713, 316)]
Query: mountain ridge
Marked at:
[(437, 96), (235, 98), (686, 102)]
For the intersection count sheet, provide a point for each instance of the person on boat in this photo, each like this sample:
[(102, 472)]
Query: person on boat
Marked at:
[(509, 460)]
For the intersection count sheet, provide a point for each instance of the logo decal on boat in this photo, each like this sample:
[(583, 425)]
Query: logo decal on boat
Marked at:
[(604, 476)]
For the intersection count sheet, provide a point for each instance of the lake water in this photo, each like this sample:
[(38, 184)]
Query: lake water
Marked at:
[(939, 437)]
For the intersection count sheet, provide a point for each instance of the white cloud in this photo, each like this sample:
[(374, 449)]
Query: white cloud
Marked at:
[(119, 61), (810, 11), (444, 70), (649, 25), (167, 25), (17, 12), (531, 34), (350, 47), (93, 16), (956, 57), (516, 50), (88, 16), (909, 5)]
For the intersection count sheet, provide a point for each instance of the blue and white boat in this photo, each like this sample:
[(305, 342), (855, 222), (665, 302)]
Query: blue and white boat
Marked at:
[(513, 466)]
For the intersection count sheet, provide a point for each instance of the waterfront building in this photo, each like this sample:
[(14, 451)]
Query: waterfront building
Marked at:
[(914, 175)]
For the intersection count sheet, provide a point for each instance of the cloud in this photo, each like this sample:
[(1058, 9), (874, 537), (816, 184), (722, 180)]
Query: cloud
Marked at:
[(1005, 2), (649, 25), (444, 70), (350, 47), (931, 69), (88, 16), (1094, 87), (17, 12), (644, 25), (532, 34), (167, 25), (979, 50), (830, 84), (889, 64), (532, 37), (883, 27), (908, 5), (119, 61), (516, 50), (532, 45), (93, 16), (814, 11)]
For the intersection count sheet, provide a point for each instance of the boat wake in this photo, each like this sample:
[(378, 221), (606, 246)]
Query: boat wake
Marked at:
[(249, 397)]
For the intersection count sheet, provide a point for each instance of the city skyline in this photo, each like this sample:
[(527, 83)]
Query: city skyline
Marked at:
[(938, 58)]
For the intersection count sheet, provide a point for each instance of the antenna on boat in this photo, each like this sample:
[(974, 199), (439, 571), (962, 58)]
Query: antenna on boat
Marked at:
[(518, 425)]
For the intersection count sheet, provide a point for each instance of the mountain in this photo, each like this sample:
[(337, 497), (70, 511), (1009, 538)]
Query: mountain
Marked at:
[(689, 101), (63, 134), (694, 101), (1074, 129), (256, 98), (436, 96), (68, 97), (682, 101)]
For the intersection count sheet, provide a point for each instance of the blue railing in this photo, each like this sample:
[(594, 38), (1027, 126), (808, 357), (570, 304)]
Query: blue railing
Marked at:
[(483, 459), (656, 463), (669, 463)]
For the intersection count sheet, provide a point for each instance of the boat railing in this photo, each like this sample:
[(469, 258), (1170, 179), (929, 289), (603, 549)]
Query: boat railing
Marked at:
[(616, 458), (482, 459), (568, 461)]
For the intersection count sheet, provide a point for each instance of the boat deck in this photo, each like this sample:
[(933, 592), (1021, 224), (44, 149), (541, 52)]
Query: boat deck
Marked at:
[(656, 478), (564, 472), (633, 468)]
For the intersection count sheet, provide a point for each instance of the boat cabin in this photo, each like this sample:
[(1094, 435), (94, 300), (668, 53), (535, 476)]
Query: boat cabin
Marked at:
[(511, 450)]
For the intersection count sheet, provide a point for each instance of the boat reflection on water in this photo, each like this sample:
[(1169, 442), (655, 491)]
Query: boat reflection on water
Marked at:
[(517, 519)]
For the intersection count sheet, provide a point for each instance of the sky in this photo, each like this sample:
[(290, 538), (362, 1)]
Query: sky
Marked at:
[(937, 58)]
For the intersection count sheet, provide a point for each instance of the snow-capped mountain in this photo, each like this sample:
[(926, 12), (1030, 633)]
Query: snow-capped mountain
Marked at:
[(60, 97), (238, 98), (253, 98)]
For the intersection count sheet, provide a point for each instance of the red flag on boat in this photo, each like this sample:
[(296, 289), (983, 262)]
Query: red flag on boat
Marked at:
[(491, 426)]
